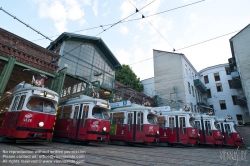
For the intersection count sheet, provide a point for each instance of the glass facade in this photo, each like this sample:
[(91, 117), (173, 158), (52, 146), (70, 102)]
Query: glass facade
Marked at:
[(87, 61)]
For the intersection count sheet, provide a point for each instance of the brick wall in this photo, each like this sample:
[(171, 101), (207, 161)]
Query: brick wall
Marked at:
[(245, 134)]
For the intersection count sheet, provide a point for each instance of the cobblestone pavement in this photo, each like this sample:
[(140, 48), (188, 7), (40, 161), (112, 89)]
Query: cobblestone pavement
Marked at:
[(107, 155)]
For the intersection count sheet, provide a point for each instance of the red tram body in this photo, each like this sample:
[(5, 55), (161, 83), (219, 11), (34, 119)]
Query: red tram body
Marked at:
[(82, 119), (176, 127), (133, 123), (231, 136), (209, 133), (27, 113)]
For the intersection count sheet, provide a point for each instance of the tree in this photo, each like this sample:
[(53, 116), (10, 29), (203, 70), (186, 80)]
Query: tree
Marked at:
[(127, 77)]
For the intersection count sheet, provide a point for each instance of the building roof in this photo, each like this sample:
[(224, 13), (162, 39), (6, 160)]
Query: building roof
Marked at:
[(90, 39), (231, 39)]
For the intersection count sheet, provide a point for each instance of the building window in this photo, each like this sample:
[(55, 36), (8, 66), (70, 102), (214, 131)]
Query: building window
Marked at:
[(191, 104), (234, 98), (186, 69), (228, 70), (209, 93), (230, 84), (190, 73), (239, 119), (206, 79), (219, 87), (222, 105), (189, 88), (195, 108), (216, 77), (192, 90), (196, 96)]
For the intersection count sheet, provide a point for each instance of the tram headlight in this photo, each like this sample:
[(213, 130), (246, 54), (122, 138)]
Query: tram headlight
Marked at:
[(223, 136), (198, 135), (157, 132), (40, 124), (104, 128)]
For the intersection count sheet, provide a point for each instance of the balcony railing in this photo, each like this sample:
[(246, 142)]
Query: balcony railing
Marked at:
[(232, 63), (236, 81), (241, 100), (203, 102), (199, 85)]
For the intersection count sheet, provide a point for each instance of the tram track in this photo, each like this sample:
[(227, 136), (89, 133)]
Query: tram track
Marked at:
[(100, 154)]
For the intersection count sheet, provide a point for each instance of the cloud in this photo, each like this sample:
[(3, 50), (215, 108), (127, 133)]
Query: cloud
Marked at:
[(127, 8), (123, 56), (87, 2), (60, 12), (95, 7), (192, 16), (123, 30)]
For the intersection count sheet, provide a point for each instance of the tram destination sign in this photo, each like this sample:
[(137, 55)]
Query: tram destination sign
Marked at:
[(120, 104)]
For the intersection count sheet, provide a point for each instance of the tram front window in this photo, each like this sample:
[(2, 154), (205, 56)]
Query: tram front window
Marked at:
[(41, 105), (151, 119), (100, 113), (191, 121), (217, 125)]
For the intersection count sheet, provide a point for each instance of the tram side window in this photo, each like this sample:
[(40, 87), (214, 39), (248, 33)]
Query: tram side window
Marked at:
[(66, 112), (118, 118), (75, 116), (85, 115), (171, 124), (197, 125), (140, 121), (208, 128), (217, 125), (182, 125), (21, 102), (161, 121), (130, 119), (151, 118), (228, 130), (191, 122), (59, 112), (15, 103)]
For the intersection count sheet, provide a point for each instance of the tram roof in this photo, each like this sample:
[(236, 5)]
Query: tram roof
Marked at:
[(133, 107), (27, 87), (174, 113), (83, 98), (223, 120)]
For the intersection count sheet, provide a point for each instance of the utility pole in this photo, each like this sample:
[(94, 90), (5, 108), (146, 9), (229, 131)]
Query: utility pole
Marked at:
[(176, 98)]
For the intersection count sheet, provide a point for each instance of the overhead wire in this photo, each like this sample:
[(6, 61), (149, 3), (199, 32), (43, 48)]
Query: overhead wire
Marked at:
[(153, 26), (126, 20), (188, 46), (25, 24)]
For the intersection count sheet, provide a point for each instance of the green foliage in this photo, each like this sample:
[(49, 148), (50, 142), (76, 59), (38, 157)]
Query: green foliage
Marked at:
[(127, 77)]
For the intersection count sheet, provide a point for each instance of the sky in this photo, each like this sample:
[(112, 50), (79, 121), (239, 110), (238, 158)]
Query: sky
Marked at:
[(132, 42)]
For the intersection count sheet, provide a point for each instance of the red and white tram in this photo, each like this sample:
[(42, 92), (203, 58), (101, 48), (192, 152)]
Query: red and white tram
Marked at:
[(27, 113), (82, 119), (132, 123), (209, 132), (176, 127), (231, 136)]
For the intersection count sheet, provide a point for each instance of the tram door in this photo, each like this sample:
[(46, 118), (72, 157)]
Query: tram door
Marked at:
[(208, 132), (139, 127), (172, 129), (74, 121), (183, 136), (227, 132), (82, 122), (131, 127), (14, 113)]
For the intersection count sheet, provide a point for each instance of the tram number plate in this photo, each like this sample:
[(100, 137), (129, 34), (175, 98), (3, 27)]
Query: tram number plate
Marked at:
[(37, 135)]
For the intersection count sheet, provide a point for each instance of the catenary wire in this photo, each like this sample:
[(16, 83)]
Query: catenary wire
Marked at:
[(125, 20), (25, 24), (188, 46), (153, 26)]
